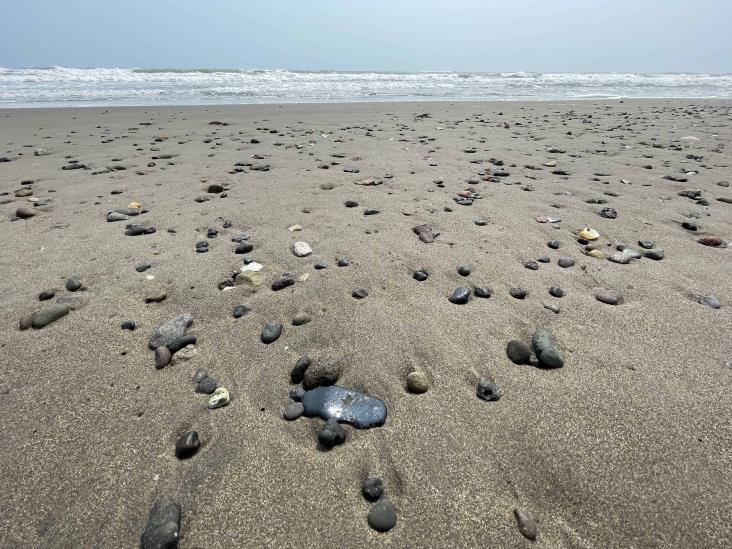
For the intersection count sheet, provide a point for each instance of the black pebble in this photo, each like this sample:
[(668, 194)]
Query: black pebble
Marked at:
[(518, 351), (243, 248), (240, 311), (420, 275), (187, 445), (298, 372), (518, 293), (480, 291), (331, 434), (128, 325), (360, 294), (463, 270), (372, 488), (556, 291), (460, 296), (73, 284), (45, 295), (553, 244), (206, 386)]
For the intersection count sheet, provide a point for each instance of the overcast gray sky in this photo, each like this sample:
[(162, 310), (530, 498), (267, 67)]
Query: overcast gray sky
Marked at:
[(409, 35)]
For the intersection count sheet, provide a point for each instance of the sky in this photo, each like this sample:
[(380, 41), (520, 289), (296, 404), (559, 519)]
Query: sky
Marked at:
[(364, 35)]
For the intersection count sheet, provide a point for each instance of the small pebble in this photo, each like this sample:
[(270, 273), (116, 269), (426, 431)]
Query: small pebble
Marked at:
[(293, 411), (518, 293), (417, 382), (331, 433), (460, 296), (382, 516), (187, 445), (487, 390), (162, 357), (219, 399)]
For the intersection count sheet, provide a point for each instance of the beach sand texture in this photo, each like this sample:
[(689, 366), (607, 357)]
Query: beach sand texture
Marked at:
[(629, 444)]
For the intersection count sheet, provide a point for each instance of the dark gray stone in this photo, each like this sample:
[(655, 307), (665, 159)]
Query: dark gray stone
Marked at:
[(162, 527)]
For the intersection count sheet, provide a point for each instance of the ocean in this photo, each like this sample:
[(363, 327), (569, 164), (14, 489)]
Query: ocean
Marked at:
[(72, 87)]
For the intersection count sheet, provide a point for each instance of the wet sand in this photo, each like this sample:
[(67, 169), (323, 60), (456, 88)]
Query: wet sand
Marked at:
[(627, 445)]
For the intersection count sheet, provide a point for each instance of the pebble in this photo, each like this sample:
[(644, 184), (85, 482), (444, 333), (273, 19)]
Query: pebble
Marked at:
[(282, 282), (526, 524), (301, 249), (297, 393), (611, 297), (420, 276), (156, 294), (518, 293), (656, 255), (186, 353), (73, 284), (46, 295), (240, 311), (320, 374), (301, 318), (199, 375), (546, 350), (382, 516), (554, 244), (417, 382), (710, 301), (271, 332), (116, 216), (518, 352), (370, 211), (556, 291), (460, 296), (608, 213), (219, 399), (187, 445), (128, 325), (565, 262), (180, 342), (552, 307), (343, 263), (589, 234), (533, 265), (162, 357), (463, 270), (487, 390), (24, 213), (712, 241), (360, 294), (206, 386), (242, 248), (372, 488), (298, 371), (331, 434), (293, 411), (44, 317), (163, 525), (482, 292), (321, 265)]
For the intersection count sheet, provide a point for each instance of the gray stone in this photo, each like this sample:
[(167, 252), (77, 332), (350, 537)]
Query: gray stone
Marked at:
[(162, 527), (710, 301), (271, 332), (382, 516), (293, 411), (526, 524), (417, 382), (46, 316), (170, 331), (546, 350), (487, 390), (162, 357), (518, 352)]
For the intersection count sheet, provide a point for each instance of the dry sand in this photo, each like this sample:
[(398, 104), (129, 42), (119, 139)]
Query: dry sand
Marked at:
[(628, 445)]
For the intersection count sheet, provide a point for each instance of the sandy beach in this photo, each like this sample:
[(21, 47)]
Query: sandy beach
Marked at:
[(628, 444)]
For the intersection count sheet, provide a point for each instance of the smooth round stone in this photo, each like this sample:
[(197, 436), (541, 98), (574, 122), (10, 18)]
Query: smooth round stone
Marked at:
[(360, 294), (610, 297), (293, 411), (565, 262), (282, 282), (240, 311), (350, 203), (556, 291), (206, 386), (301, 249), (199, 375), (271, 332), (656, 255), (331, 434), (518, 352), (301, 318), (420, 276), (417, 382), (463, 270), (320, 374), (382, 516), (710, 301), (372, 488), (487, 390), (533, 265), (344, 405), (646, 244), (46, 295), (128, 325), (162, 357), (321, 265), (187, 445), (482, 292), (518, 293), (219, 399), (544, 259), (50, 314), (481, 222), (298, 371), (554, 244), (460, 296)]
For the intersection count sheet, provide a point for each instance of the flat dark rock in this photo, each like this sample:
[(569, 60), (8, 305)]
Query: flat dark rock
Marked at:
[(344, 405)]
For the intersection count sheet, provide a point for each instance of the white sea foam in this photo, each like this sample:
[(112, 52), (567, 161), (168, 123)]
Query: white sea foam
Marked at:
[(60, 86)]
